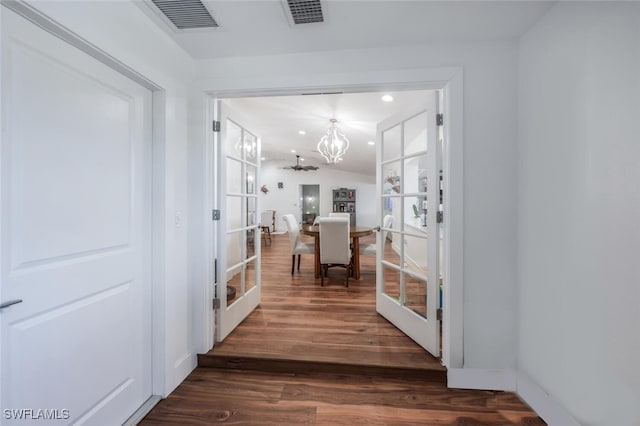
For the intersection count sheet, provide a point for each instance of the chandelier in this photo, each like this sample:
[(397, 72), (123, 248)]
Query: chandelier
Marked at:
[(333, 144)]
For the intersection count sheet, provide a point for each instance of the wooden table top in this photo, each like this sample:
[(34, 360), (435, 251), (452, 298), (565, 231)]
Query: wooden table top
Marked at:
[(354, 231)]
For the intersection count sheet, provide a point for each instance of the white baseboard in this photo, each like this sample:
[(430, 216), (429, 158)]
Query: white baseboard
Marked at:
[(542, 403), (181, 369), (513, 381), (476, 378)]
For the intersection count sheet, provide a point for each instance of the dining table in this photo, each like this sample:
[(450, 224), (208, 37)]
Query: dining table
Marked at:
[(355, 232)]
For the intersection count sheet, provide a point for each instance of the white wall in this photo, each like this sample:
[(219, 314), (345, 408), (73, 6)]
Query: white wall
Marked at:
[(123, 31), (579, 206), (286, 200), (489, 158)]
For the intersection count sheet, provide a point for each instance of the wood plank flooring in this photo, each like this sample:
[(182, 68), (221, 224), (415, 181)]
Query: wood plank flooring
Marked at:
[(300, 321), (323, 356)]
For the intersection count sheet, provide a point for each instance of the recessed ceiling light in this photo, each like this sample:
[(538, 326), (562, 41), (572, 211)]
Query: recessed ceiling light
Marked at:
[(262, 158), (302, 132), (371, 143), (301, 159), (387, 98), (293, 150)]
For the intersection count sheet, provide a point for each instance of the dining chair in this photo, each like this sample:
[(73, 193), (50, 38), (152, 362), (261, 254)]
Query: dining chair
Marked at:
[(335, 246), (266, 221), (370, 249), (341, 214), (297, 245)]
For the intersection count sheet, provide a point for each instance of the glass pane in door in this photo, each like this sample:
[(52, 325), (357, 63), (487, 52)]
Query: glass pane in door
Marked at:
[(250, 275), (234, 248), (391, 282), (391, 143), (234, 284), (415, 134), (416, 294), (233, 140), (234, 177)]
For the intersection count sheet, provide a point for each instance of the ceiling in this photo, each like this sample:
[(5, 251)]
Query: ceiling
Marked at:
[(261, 27), (277, 120)]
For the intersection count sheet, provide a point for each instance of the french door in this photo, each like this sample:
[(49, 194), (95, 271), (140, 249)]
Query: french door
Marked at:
[(238, 242), (408, 186)]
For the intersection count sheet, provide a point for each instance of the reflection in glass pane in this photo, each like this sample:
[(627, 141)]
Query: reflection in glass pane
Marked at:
[(250, 147), (414, 171), (251, 243), (234, 248), (234, 212), (415, 253), (234, 177), (391, 282), (250, 180), (252, 217), (391, 178), (391, 252), (412, 212), (415, 134), (234, 138), (250, 276), (416, 294), (391, 139), (234, 282)]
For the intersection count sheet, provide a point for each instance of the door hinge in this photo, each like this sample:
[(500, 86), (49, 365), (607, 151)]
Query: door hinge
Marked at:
[(439, 119), (440, 217), (216, 303), (439, 314), (216, 126), (215, 214)]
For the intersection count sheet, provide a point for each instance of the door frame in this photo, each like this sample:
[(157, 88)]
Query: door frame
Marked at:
[(450, 81), (157, 241)]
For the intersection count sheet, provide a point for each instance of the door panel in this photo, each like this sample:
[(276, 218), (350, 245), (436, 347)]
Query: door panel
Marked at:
[(75, 198), (407, 278), (239, 229)]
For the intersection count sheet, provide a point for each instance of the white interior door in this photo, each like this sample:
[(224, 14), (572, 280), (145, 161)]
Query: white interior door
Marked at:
[(408, 184), (239, 228), (75, 227)]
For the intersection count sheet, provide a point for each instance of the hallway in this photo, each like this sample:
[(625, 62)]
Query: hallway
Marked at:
[(322, 355)]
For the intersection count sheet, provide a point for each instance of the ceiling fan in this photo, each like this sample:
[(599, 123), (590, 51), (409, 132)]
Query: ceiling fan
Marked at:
[(297, 167)]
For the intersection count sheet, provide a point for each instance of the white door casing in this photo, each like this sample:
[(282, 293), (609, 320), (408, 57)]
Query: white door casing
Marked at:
[(75, 226), (407, 273), (238, 242)]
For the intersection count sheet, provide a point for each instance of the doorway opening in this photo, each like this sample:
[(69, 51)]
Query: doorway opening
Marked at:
[(452, 183), (309, 203)]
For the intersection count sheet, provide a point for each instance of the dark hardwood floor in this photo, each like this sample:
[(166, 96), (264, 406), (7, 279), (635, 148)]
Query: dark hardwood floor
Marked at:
[(323, 356)]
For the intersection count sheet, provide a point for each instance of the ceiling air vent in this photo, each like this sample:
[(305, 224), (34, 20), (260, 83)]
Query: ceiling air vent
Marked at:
[(186, 14), (303, 11)]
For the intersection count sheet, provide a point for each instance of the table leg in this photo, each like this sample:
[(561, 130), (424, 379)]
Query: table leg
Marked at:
[(356, 258), (316, 257)]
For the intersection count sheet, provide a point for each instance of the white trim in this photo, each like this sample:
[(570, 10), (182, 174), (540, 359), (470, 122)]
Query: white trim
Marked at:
[(483, 379), (453, 250), (43, 21), (450, 80), (542, 403), (142, 411), (158, 178), (158, 244), (512, 381)]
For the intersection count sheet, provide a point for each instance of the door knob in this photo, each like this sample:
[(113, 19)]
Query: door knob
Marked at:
[(9, 303)]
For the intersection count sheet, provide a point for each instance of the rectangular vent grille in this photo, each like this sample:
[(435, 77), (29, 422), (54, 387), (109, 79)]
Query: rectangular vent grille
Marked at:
[(305, 11), (186, 14)]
